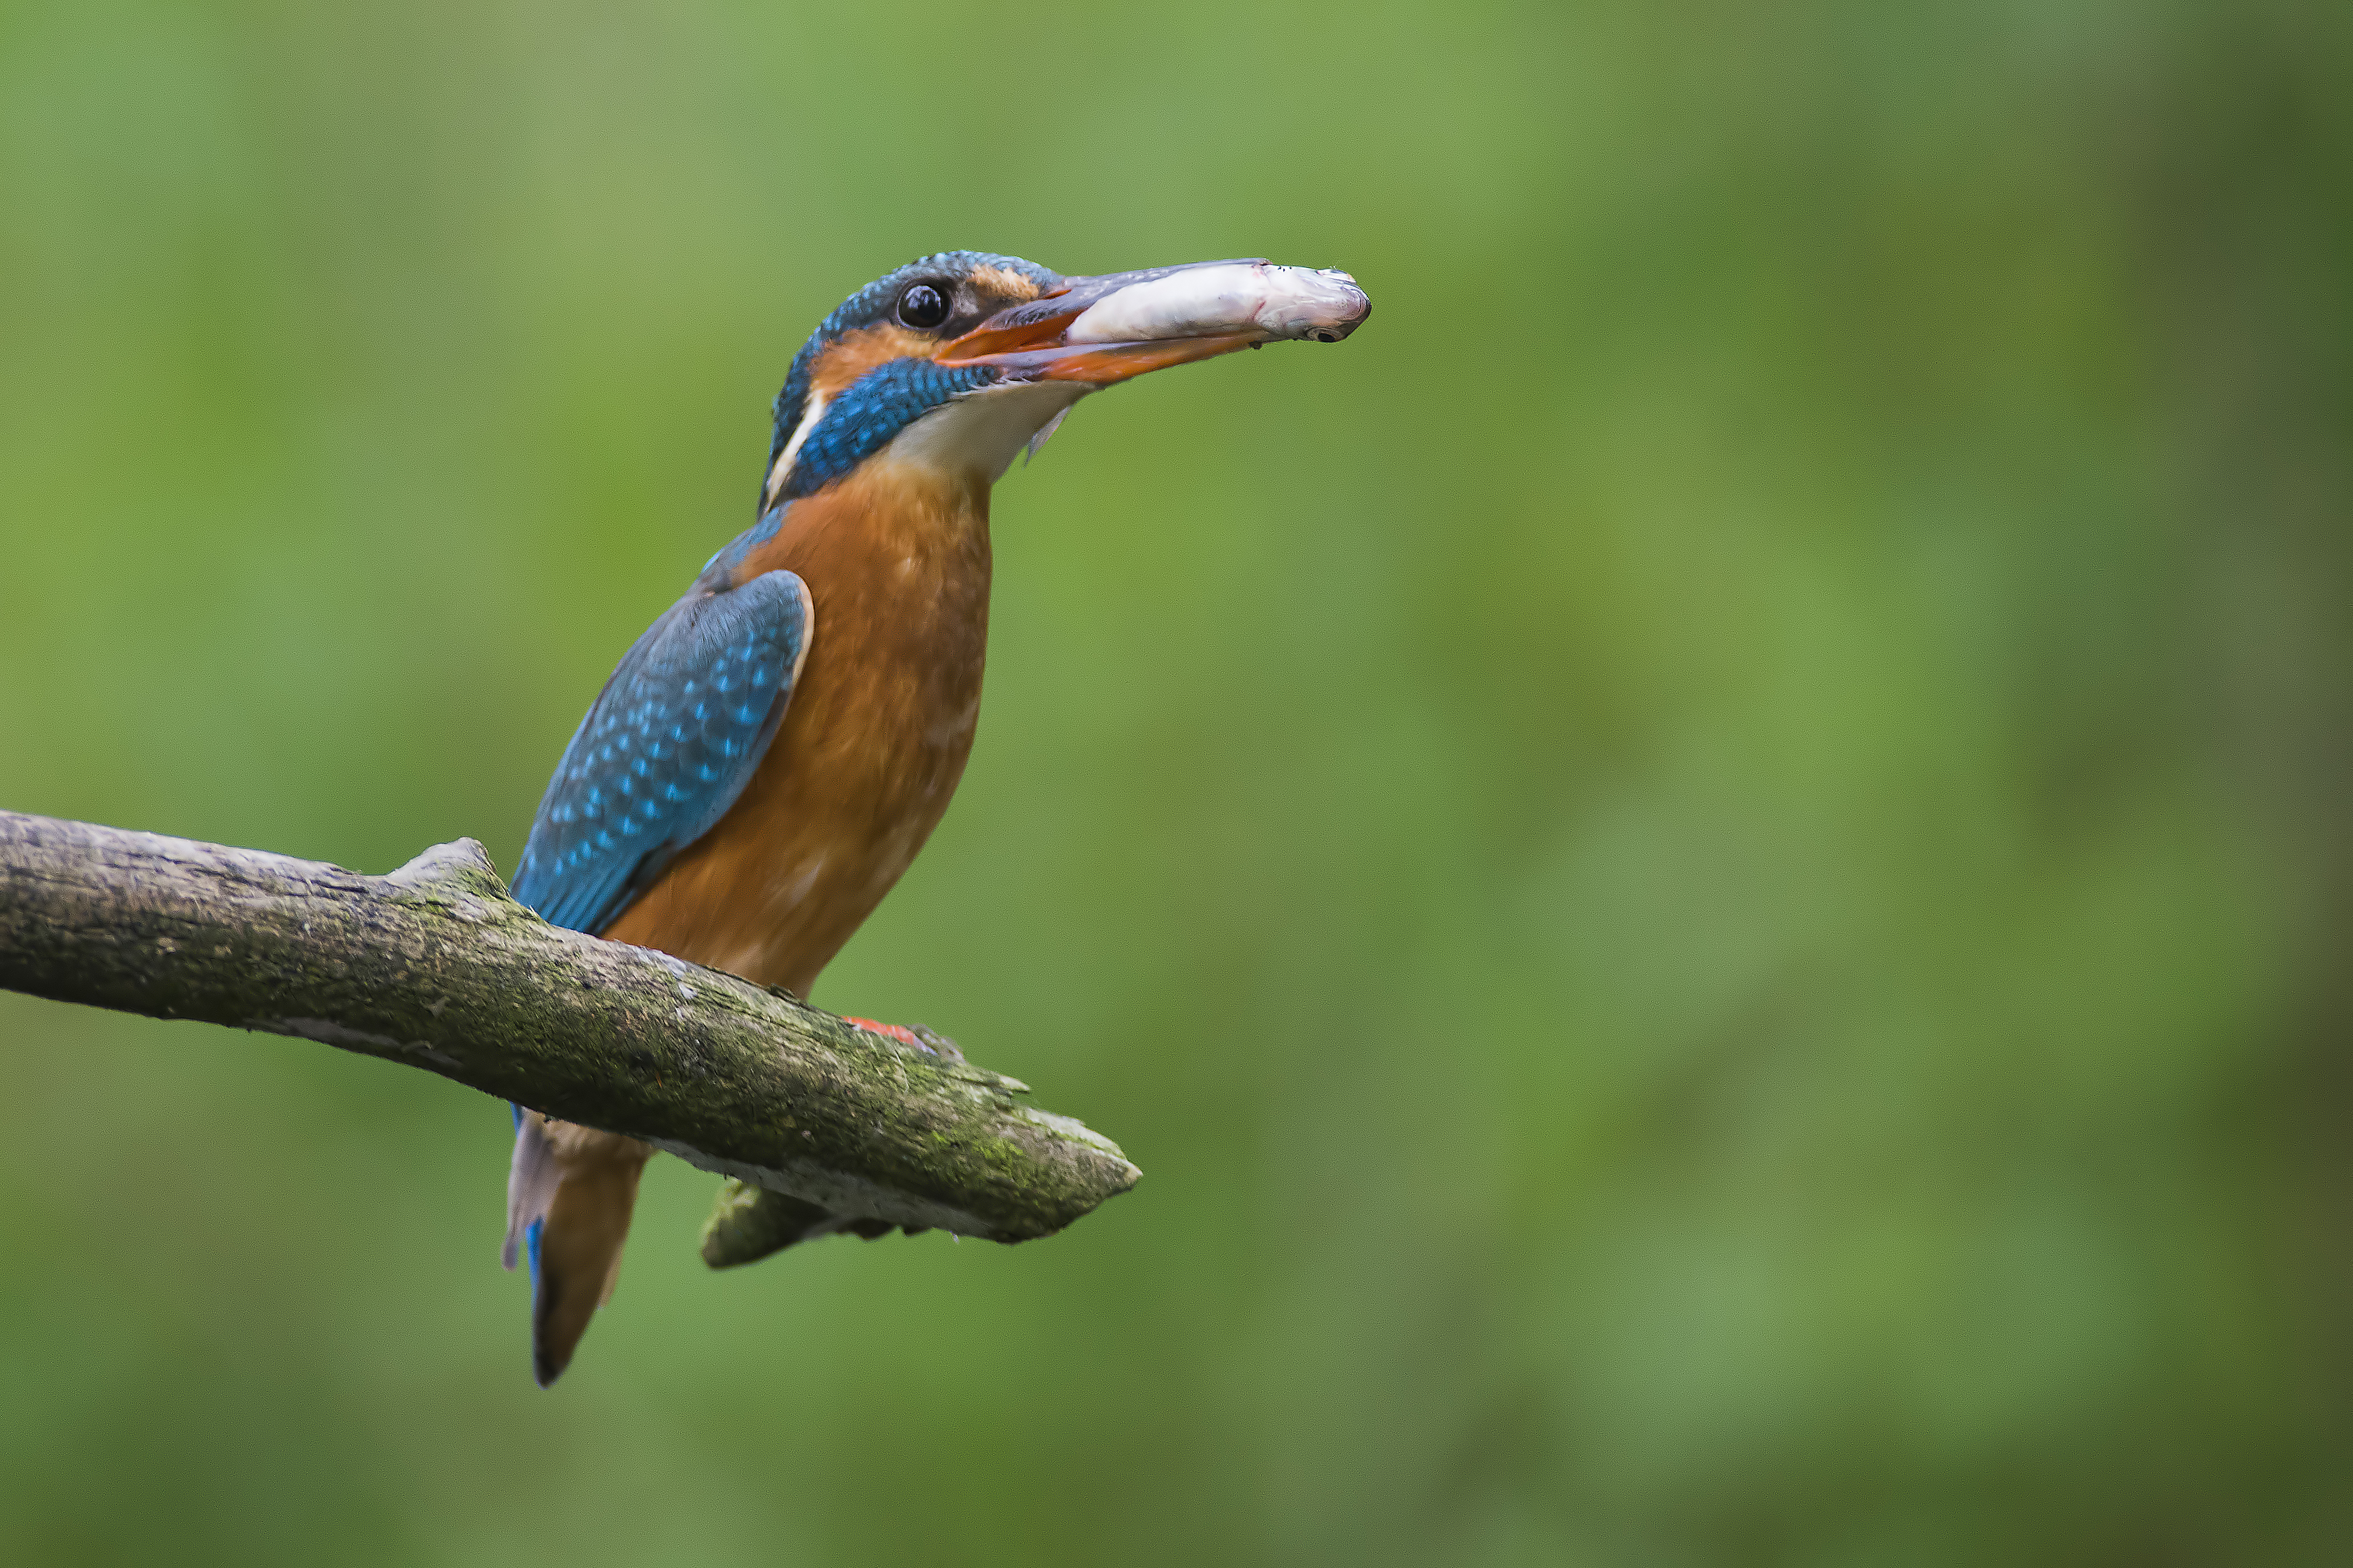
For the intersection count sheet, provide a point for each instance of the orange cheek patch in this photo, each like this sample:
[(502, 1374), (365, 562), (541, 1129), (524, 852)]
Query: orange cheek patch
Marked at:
[(852, 354)]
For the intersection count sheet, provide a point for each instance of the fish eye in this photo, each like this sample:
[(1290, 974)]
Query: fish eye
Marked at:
[(922, 307)]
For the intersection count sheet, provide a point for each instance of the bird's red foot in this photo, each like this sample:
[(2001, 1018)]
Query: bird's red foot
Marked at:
[(917, 1038)]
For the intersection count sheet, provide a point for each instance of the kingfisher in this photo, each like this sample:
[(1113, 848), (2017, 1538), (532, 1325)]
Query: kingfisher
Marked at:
[(768, 756)]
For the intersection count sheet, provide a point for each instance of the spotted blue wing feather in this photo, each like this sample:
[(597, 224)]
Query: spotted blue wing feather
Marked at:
[(667, 747)]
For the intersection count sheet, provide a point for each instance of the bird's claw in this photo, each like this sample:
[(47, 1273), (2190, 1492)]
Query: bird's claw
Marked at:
[(917, 1038), (939, 1045)]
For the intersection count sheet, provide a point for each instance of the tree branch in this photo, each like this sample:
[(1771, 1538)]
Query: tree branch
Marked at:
[(436, 965)]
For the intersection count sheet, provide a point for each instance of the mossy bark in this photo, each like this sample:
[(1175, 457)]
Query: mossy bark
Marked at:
[(436, 965)]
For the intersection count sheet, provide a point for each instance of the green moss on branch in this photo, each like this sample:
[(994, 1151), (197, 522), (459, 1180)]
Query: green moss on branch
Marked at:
[(436, 965)]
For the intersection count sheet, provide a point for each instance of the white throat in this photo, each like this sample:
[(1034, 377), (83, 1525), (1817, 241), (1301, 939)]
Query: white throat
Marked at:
[(979, 433)]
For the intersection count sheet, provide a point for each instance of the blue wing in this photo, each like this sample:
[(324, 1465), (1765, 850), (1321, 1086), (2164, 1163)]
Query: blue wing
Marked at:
[(667, 747)]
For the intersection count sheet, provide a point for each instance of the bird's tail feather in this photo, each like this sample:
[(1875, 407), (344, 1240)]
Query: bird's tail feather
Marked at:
[(531, 1184), (570, 1193)]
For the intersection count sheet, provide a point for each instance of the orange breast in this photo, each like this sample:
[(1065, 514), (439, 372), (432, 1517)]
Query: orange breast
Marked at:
[(872, 743)]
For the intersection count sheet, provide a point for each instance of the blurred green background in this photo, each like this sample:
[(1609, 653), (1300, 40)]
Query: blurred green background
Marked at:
[(1708, 870)]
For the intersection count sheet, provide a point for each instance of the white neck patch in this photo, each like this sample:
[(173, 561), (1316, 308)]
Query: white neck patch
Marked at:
[(784, 463)]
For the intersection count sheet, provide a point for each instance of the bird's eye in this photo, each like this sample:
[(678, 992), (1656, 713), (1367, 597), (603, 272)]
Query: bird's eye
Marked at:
[(922, 307)]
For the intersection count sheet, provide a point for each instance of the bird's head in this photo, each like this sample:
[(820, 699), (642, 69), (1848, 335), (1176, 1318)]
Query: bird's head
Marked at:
[(958, 360)]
